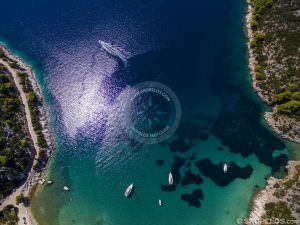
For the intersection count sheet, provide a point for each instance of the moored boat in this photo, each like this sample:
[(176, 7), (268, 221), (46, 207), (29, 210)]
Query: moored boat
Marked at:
[(66, 188), (171, 180), (225, 167), (160, 202), (129, 190)]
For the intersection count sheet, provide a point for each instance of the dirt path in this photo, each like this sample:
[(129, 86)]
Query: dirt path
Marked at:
[(25, 103)]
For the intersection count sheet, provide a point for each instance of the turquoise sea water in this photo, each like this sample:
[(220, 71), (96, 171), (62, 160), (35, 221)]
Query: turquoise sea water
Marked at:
[(198, 49)]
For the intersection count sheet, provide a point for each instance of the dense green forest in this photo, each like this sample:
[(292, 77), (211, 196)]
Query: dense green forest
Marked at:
[(276, 46), (16, 148)]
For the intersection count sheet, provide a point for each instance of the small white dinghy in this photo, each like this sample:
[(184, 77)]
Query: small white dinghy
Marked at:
[(225, 167), (171, 180), (128, 190), (66, 188), (160, 202)]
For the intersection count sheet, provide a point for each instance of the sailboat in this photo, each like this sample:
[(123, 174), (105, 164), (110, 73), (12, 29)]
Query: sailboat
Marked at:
[(128, 190), (225, 167), (160, 202), (171, 180)]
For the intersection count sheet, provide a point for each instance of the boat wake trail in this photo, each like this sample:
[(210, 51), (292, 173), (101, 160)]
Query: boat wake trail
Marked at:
[(115, 51)]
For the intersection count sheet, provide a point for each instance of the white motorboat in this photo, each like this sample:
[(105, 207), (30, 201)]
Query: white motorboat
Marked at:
[(171, 180), (66, 188), (114, 51), (129, 190)]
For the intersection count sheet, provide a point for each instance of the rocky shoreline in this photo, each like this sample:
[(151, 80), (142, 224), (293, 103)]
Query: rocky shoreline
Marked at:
[(275, 123), (251, 63), (270, 194), (261, 198), (34, 177), (43, 112)]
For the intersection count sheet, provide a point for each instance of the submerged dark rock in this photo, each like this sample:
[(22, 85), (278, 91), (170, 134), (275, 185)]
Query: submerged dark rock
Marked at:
[(175, 170), (160, 162), (168, 188), (180, 145), (194, 198), (216, 173), (188, 165), (191, 178), (220, 148), (238, 127)]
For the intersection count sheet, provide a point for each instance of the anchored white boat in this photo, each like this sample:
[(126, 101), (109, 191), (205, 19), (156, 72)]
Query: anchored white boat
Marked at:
[(171, 180), (225, 167), (66, 188), (129, 190), (160, 202)]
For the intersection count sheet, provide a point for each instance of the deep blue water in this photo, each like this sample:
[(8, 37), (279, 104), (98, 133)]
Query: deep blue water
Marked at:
[(198, 49)]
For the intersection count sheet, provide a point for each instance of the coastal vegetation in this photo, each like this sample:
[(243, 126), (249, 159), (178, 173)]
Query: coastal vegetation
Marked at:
[(9, 215), (21, 116), (34, 105), (278, 211), (20, 199), (275, 44), (274, 48), (286, 202), (280, 200), (16, 148)]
